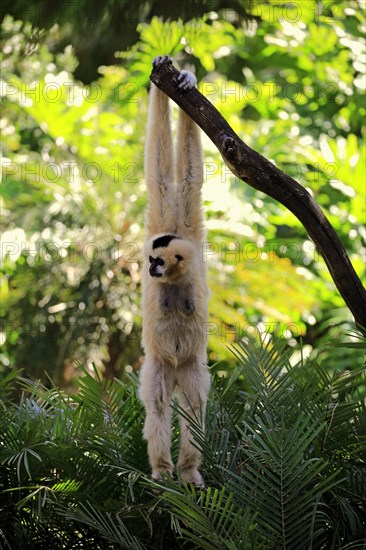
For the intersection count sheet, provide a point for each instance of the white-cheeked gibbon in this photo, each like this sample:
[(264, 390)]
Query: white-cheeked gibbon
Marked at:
[(174, 287)]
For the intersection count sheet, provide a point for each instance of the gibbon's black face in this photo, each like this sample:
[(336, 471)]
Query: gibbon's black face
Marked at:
[(155, 263), (169, 257)]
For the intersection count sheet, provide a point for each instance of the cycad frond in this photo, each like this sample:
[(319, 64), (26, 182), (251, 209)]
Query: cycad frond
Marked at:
[(283, 462), (281, 479), (210, 520), (109, 525)]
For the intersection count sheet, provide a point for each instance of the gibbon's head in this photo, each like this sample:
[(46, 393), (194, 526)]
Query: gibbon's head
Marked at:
[(170, 257)]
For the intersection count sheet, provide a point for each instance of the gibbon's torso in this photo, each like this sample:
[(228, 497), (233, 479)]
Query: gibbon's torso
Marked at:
[(175, 315)]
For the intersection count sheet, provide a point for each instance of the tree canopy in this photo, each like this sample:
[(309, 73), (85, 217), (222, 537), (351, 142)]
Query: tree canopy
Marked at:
[(289, 78)]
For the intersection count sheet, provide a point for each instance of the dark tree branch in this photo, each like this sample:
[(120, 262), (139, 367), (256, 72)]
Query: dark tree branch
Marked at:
[(261, 174)]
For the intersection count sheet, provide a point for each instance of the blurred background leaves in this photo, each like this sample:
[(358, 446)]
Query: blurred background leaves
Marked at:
[(290, 79)]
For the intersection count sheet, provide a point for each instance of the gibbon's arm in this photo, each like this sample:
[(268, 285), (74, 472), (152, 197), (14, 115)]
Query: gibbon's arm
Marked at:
[(159, 175), (189, 175)]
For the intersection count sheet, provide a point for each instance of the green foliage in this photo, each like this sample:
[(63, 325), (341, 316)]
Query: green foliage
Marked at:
[(69, 253), (284, 450), (283, 460), (73, 194), (97, 31)]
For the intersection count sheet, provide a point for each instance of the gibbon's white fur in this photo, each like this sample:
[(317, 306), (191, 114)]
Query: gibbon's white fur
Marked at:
[(175, 293)]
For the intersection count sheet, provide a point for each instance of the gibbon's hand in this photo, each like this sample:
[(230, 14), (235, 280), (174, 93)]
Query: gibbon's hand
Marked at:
[(161, 60), (186, 79)]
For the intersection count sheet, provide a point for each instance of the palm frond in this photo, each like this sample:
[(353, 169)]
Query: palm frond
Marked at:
[(281, 480), (283, 458), (109, 525), (210, 520)]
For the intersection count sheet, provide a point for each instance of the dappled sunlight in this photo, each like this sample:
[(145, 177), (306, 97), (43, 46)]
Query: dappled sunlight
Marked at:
[(74, 195), (283, 454)]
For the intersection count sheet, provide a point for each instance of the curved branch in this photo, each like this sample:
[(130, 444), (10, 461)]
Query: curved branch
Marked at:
[(261, 174)]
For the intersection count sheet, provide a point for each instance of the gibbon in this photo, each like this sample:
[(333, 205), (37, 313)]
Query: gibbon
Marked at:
[(174, 288)]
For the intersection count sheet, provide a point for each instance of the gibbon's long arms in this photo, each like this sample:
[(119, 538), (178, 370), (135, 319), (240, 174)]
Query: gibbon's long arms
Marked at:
[(171, 210), (174, 288)]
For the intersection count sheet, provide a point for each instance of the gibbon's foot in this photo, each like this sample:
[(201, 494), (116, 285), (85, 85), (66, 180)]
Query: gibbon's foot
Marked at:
[(186, 80), (192, 475), (161, 60), (159, 474)]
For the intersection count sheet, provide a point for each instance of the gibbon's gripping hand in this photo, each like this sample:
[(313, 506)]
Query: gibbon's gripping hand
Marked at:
[(161, 60), (186, 79)]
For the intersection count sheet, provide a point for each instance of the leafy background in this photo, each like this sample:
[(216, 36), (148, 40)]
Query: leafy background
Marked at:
[(290, 79), (284, 452)]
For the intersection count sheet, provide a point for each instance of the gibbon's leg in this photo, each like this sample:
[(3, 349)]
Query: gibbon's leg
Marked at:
[(156, 389), (194, 384), (159, 175), (189, 171)]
